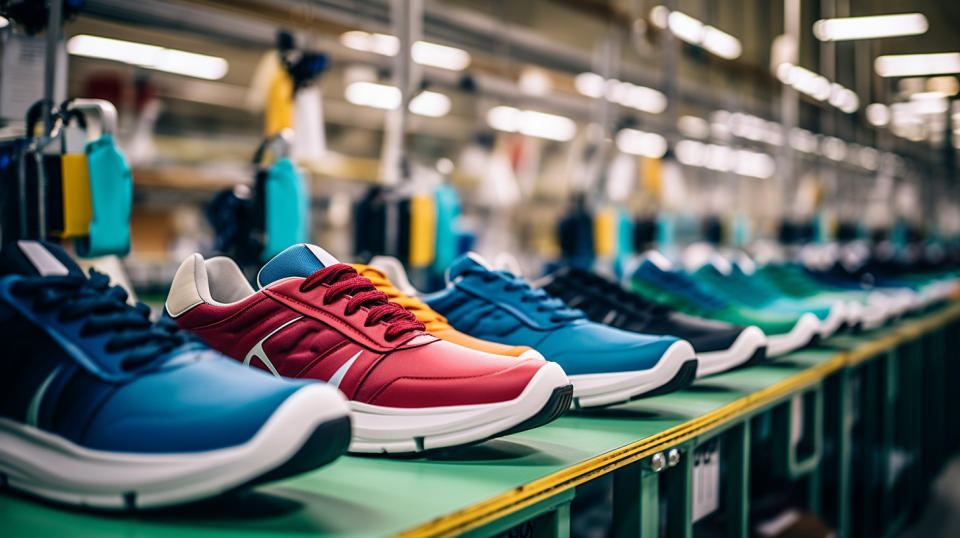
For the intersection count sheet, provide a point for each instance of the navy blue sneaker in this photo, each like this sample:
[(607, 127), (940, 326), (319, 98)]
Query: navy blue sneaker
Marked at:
[(103, 408), (605, 365)]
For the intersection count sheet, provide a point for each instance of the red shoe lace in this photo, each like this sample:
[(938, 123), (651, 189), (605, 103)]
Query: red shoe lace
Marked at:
[(344, 280)]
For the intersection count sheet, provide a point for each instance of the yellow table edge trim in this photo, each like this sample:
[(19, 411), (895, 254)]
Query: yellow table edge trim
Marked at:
[(533, 492)]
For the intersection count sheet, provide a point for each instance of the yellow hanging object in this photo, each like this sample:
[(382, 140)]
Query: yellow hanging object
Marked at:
[(652, 175), (604, 232), (423, 230), (279, 109), (77, 203)]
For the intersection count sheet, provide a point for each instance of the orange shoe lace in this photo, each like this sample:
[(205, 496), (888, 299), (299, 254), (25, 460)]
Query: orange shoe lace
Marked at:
[(426, 315)]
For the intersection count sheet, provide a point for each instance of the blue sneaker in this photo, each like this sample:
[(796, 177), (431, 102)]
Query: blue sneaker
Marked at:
[(102, 408), (605, 365)]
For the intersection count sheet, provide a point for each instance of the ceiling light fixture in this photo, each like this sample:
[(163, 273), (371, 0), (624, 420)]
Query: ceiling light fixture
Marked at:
[(179, 62), (818, 87), (914, 65), (531, 123), (423, 52), (387, 97), (696, 32), (871, 27), (430, 104), (636, 142), (624, 93)]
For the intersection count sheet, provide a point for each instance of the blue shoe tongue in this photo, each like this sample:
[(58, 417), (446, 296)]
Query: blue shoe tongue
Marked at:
[(299, 260), (470, 261), (37, 258)]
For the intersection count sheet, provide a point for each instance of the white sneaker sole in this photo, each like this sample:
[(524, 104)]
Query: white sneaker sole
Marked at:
[(49, 466), (868, 317), (595, 390), (743, 349), (378, 429), (799, 336), (837, 315)]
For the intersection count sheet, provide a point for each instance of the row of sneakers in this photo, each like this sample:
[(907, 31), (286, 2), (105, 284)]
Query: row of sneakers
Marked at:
[(793, 305), (102, 407)]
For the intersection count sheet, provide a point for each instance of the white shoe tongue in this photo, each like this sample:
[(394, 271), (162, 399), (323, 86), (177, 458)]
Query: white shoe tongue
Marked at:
[(395, 273), (37, 258), (299, 260)]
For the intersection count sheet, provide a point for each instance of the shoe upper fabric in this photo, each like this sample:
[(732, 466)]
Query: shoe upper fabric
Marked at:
[(326, 322), (739, 288), (605, 301), (680, 291), (83, 364), (500, 306), (433, 322)]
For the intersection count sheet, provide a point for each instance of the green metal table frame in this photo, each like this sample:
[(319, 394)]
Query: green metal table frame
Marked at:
[(874, 416)]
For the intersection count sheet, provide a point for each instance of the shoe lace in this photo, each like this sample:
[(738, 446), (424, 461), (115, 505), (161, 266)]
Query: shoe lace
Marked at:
[(104, 309), (428, 316), (543, 302), (620, 295), (344, 280)]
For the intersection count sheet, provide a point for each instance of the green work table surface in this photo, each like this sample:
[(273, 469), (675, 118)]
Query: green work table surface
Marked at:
[(374, 496)]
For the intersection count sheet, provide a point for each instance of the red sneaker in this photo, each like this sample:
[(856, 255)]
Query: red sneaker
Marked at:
[(316, 318)]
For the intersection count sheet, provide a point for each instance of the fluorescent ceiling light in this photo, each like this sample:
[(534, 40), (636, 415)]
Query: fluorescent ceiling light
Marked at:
[(803, 140), (719, 158), (641, 143), (912, 65), (373, 95), (929, 103), (382, 44), (442, 56), (721, 43), (643, 98), (870, 27), (869, 158), (844, 99), (724, 159), (693, 126), (754, 164), (535, 81), (175, 61), (818, 87), (386, 97), (431, 104), (690, 152), (753, 128), (531, 123), (624, 93), (589, 84), (423, 52), (685, 27), (659, 16), (833, 148), (695, 32), (878, 114)]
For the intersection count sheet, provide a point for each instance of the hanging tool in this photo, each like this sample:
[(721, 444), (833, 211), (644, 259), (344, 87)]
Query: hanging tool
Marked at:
[(282, 197), (111, 183)]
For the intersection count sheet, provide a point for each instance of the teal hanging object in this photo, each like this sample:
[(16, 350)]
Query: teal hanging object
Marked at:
[(624, 241), (111, 195), (448, 211), (666, 230), (741, 229), (286, 208)]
